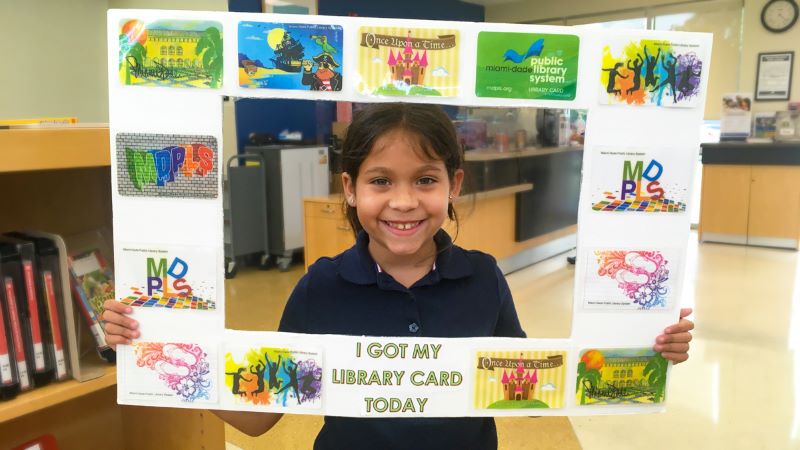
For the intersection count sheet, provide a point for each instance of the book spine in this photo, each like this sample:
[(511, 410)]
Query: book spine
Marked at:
[(33, 308), (6, 371), (16, 334), (55, 324), (89, 316)]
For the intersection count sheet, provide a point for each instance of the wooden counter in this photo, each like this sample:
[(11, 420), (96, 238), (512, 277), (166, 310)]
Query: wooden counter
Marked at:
[(485, 214), (751, 194)]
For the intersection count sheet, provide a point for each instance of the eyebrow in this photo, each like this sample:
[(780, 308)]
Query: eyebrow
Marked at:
[(383, 170)]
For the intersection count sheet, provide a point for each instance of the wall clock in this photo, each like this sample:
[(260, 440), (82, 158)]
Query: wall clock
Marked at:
[(779, 15)]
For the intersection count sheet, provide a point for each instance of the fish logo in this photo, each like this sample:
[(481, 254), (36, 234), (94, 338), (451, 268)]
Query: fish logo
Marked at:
[(534, 50)]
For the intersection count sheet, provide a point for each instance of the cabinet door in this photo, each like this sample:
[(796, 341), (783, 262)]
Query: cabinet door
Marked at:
[(304, 173), (725, 202), (774, 206), (327, 232)]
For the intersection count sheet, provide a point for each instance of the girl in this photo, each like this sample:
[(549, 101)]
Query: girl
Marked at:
[(403, 277)]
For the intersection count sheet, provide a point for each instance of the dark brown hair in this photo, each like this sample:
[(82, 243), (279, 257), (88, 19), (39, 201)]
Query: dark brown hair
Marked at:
[(435, 134)]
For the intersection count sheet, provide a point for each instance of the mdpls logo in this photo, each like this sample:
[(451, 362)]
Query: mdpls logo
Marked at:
[(641, 189), (158, 276), (632, 184)]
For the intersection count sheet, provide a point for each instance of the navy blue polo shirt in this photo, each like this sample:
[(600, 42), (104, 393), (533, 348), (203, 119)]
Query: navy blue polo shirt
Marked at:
[(464, 295)]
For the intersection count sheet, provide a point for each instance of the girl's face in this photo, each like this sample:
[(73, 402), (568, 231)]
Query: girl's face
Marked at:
[(401, 198)]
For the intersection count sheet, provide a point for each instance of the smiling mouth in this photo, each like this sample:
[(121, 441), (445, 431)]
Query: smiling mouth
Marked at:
[(402, 226)]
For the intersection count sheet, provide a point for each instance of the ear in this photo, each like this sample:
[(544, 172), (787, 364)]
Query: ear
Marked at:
[(349, 188), (455, 185)]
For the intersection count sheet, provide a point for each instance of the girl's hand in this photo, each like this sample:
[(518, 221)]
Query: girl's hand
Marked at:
[(119, 328), (674, 343)]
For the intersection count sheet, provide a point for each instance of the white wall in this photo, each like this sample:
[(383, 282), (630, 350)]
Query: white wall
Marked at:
[(54, 55), (196, 5), (54, 59), (758, 39), (527, 11)]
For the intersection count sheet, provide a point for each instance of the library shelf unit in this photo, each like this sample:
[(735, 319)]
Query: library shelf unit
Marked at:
[(58, 180)]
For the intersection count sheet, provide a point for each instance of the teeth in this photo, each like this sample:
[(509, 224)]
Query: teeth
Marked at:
[(402, 226)]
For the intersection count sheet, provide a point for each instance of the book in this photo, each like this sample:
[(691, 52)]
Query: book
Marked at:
[(736, 116), (92, 283), (763, 127)]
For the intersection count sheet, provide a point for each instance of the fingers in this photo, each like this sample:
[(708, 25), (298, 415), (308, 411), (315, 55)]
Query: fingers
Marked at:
[(674, 343), (676, 358), (111, 317), (115, 329), (113, 340), (685, 337), (119, 328), (682, 326), (682, 347), (113, 305)]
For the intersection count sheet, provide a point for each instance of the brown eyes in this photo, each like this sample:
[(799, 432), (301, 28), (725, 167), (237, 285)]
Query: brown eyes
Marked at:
[(386, 182)]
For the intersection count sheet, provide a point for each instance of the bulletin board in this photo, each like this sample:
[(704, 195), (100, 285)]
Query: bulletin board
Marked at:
[(168, 71)]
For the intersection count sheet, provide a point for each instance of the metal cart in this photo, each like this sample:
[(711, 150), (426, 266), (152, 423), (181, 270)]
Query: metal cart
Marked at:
[(245, 212), (292, 173)]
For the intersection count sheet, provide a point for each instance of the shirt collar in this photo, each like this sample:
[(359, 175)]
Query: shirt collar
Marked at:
[(357, 265)]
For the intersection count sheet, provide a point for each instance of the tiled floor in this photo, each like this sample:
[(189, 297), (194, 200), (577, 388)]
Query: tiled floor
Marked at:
[(737, 391)]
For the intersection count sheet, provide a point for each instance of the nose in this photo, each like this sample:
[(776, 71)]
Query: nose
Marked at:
[(404, 199)]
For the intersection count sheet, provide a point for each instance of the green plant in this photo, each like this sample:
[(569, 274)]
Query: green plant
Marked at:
[(656, 373), (591, 376), (136, 50), (210, 45)]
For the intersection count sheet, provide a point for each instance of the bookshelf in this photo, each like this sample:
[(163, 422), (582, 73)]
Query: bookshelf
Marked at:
[(34, 149), (54, 394), (59, 180)]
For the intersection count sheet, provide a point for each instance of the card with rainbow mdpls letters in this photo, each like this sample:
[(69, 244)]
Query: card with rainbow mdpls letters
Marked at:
[(167, 165), (169, 278), (636, 180)]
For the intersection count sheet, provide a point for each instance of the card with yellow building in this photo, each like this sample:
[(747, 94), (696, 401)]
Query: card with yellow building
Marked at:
[(519, 379), (170, 53), (620, 376), (399, 61)]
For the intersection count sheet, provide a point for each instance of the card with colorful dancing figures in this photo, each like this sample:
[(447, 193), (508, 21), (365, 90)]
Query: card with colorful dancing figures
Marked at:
[(519, 379), (170, 53), (527, 65), (620, 376), (630, 279), (168, 278), (275, 377), (652, 72), (160, 371), (167, 165), (293, 56), (629, 180), (398, 62)]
